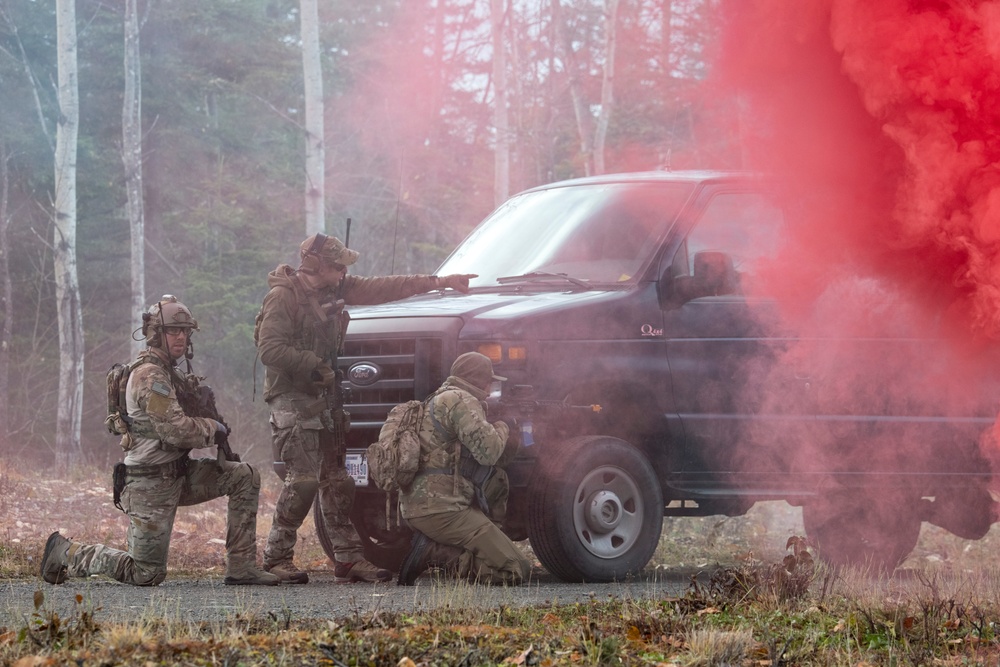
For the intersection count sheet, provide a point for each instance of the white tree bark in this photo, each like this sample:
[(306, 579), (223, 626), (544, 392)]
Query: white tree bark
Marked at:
[(132, 159), (6, 297), (607, 84), (584, 121), (68, 308), (501, 155), (315, 155)]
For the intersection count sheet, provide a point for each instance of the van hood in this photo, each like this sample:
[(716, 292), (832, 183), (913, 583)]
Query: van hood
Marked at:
[(507, 305)]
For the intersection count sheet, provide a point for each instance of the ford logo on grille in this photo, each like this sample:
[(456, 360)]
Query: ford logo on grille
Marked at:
[(364, 373)]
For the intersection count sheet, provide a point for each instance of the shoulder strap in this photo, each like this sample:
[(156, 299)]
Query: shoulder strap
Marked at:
[(438, 426)]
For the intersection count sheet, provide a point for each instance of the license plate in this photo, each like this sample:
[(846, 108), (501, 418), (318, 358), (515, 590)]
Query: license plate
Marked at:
[(357, 467)]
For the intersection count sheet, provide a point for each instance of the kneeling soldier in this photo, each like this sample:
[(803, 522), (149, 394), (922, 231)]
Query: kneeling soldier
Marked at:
[(451, 531), (159, 473)]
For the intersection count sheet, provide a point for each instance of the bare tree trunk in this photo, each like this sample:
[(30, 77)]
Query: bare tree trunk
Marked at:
[(607, 84), (68, 308), (501, 155), (315, 155), (7, 305), (132, 159), (580, 109), (28, 74)]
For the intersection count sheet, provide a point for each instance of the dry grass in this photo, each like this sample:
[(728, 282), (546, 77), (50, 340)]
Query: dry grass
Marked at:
[(756, 609)]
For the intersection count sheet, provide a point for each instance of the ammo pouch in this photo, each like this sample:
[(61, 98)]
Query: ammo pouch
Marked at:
[(118, 484), (491, 486)]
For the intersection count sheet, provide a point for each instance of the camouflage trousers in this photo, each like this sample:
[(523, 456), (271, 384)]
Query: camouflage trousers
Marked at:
[(151, 502), (490, 556), (296, 443)]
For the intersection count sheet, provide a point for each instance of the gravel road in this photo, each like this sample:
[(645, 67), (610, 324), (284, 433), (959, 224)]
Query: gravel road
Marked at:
[(185, 599)]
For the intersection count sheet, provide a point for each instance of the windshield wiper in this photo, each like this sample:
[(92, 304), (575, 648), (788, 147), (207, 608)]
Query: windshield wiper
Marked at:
[(535, 275)]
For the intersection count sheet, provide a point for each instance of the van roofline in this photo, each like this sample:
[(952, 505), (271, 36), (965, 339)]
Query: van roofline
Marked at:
[(684, 176)]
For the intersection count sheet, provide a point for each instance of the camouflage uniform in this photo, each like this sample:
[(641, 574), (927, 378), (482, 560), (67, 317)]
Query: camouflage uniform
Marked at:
[(440, 505), (161, 476), (287, 341)]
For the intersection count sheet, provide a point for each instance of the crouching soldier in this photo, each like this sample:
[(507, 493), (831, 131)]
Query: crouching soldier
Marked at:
[(451, 530), (159, 474)]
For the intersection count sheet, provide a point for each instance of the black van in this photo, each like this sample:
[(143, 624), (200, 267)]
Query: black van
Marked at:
[(649, 376)]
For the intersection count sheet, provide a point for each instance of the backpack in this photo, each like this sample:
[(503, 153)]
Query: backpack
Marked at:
[(393, 459), (118, 420)]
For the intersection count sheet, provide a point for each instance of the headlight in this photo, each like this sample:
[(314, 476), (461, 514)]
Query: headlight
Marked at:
[(500, 353)]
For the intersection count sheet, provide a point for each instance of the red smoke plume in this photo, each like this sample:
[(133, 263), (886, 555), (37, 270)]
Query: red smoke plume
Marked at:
[(883, 116)]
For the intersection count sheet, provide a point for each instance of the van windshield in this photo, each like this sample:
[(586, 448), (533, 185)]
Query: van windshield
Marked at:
[(598, 233)]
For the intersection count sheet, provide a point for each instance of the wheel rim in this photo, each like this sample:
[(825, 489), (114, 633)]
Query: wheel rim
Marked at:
[(607, 512)]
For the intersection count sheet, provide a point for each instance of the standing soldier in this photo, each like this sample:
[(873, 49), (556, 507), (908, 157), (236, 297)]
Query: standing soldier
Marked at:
[(450, 530), (300, 329), (159, 474)]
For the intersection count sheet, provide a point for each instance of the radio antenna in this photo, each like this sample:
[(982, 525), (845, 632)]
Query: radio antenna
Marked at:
[(395, 226)]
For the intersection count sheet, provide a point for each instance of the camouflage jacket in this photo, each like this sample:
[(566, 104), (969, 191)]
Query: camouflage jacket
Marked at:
[(455, 419), (151, 399), (286, 325)]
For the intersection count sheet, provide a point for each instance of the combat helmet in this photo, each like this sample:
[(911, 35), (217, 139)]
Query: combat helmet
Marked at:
[(167, 312)]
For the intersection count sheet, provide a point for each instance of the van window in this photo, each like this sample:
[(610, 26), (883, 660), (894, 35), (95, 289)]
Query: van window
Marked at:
[(745, 226), (596, 232)]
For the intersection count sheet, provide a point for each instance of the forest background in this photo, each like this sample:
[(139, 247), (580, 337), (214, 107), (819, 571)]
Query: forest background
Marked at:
[(411, 137)]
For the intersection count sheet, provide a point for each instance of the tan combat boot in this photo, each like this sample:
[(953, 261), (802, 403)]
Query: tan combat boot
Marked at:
[(360, 570), (55, 558), (248, 574), (288, 573)]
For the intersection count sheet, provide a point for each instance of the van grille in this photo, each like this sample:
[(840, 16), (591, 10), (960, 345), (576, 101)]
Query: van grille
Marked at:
[(408, 368)]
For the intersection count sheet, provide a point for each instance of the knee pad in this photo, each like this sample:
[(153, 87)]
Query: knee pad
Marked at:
[(254, 475), (304, 491), (305, 487)]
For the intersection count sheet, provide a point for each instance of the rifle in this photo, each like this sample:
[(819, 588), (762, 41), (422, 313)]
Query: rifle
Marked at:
[(330, 333), (517, 407), (198, 400)]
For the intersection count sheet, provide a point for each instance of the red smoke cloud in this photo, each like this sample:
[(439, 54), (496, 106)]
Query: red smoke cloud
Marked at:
[(883, 117)]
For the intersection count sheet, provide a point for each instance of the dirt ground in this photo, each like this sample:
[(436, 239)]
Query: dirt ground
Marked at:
[(79, 505)]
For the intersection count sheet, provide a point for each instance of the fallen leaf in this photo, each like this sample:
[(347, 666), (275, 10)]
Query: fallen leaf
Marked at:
[(522, 658)]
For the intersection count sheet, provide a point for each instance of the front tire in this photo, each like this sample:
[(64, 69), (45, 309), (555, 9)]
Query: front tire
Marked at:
[(596, 512)]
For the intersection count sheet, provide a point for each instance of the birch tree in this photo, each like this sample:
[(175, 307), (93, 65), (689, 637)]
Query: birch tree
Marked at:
[(313, 88), (501, 156), (574, 74), (69, 312), (6, 299), (132, 160), (607, 84)]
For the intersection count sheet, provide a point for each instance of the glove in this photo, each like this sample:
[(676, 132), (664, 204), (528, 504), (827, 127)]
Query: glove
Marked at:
[(221, 428), (510, 448), (322, 376), (457, 281)]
